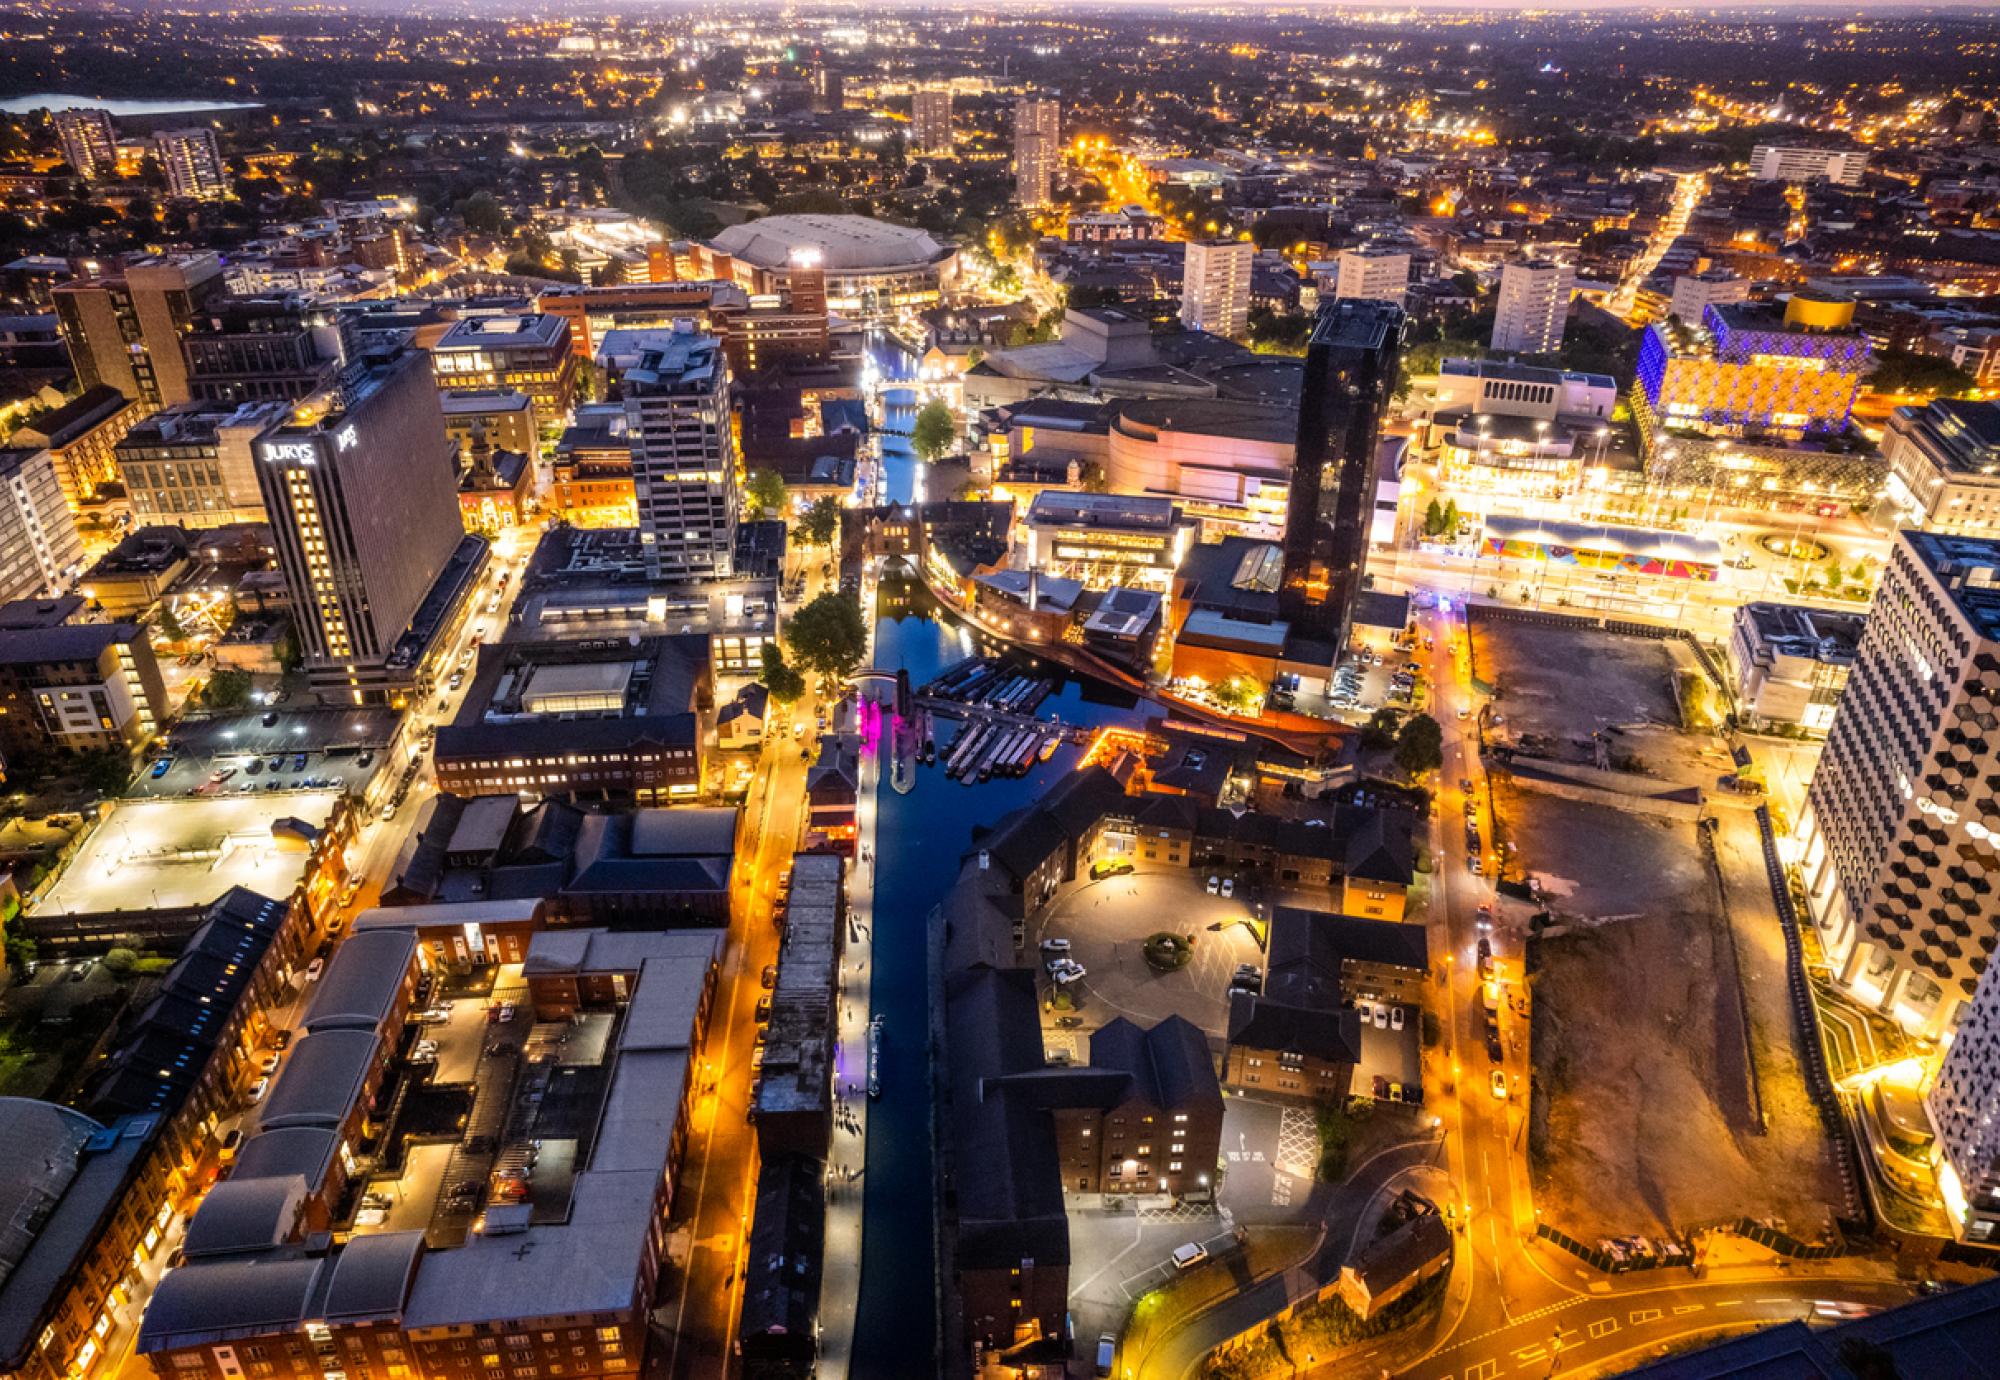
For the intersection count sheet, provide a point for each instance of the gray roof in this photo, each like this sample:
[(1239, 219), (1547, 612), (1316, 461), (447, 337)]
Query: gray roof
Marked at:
[(305, 1151), (65, 642), (227, 1299), (239, 1215), (40, 1147), (372, 1277), (358, 990), (322, 1079)]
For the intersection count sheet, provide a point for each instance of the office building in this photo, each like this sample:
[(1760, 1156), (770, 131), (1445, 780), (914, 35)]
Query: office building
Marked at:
[(40, 551), (1215, 286), (1517, 429), (1533, 306), (1037, 152), (89, 142), (1372, 275), (528, 354), (1897, 847), (1350, 372), (363, 505), (1964, 1107), (195, 464), (1790, 663), (683, 456), (930, 121), (124, 330), (259, 348), (1796, 163), (1753, 368), (1695, 293), (192, 163), (1944, 467), (1106, 541)]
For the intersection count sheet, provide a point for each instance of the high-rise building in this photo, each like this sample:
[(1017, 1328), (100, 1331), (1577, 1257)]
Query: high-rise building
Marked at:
[(89, 142), (124, 330), (1373, 275), (1964, 1106), (1695, 293), (930, 120), (1898, 845), (1533, 307), (1796, 163), (683, 456), (363, 504), (192, 163), (1215, 286), (1037, 151), (40, 551), (1351, 362)]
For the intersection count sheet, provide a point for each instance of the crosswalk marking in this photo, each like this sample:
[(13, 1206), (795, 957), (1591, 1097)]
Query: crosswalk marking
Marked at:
[(1603, 1327), (1687, 1308), (1482, 1370), (1644, 1315)]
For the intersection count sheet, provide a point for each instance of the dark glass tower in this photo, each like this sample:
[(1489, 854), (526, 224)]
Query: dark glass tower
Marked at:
[(1350, 373)]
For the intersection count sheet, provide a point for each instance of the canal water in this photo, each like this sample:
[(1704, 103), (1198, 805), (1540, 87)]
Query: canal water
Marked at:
[(920, 840)]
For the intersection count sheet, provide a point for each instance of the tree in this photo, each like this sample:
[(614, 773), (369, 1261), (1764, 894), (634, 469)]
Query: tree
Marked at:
[(1090, 477), (481, 213), (765, 491), (827, 636), (227, 689), (1450, 517), (1240, 695), (170, 623), (820, 524), (1420, 745), (1434, 520), (1380, 730), (777, 676), (121, 960), (935, 432), (1904, 371)]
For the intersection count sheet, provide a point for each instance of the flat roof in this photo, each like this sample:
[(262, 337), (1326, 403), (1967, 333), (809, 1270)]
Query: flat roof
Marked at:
[(1053, 507), (185, 854)]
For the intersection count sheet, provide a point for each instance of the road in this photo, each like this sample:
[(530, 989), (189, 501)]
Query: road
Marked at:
[(1516, 1306), (702, 1294)]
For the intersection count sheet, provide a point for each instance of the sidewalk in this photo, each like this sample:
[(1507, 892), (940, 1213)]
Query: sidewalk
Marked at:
[(840, 1269)]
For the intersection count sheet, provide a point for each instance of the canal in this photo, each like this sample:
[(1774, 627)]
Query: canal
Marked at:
[(920, 839)]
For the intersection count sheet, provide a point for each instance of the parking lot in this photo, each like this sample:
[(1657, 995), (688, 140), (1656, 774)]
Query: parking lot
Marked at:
[(1107, 923)]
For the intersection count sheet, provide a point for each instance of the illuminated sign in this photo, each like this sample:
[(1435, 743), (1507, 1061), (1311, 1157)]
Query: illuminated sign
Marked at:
[(291, 453), (345, 438)]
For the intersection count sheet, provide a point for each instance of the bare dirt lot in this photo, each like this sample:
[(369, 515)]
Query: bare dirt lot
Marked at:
[(1571, 682), (1653, 1058)]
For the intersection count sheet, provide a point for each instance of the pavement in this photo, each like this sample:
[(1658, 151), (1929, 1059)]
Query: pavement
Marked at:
[(1515, 1306)]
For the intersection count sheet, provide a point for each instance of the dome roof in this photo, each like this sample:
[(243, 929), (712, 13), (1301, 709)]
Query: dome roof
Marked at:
[(846, 244)]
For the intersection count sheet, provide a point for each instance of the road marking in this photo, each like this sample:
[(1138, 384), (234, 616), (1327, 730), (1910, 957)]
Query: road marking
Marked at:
[(1482, 1370), (1531, 1353), (1600, 1287), (1603, 1327), (1686, 1308), (1644, 1315), (1730, 1303), (1777, 1300)]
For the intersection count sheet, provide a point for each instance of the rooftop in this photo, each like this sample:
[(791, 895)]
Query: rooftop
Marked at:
[(176, 854), (1056, 507), (505, 333), (843, 243)]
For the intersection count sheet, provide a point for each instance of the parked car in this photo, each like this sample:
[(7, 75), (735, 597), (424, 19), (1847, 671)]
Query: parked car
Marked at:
[(1485, 957), (1107, 1354), (770, 977), (763, 1010), (314, 969), (282, 1040), (1190, 1255), (1055, 948), (1228, 887), (1067, 970), (1110, 867), (1069, 1022), (161, 768), (1214, 885), (258, 1089), (269, 1064), (1381, 1016), (1500, 1084)]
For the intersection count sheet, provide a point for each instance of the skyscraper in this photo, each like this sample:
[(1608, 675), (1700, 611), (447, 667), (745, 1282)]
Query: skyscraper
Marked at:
[(1898, 849), (1373, 275), (1037, 151), (193, 163), (124, 330), (1533, 306), (1351, 364), (1215, 286), (683, 456), (1964, 1105), (930, 120), (89, 142), (363, 503)]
